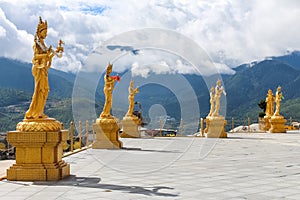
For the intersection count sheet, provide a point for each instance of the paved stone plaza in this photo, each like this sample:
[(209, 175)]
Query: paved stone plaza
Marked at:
[(242, 166)]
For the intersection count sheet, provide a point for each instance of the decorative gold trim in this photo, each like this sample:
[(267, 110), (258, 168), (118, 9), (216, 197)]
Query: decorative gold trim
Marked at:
[(39, 125)]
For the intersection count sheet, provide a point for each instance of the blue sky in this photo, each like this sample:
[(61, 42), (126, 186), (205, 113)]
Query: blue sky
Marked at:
[(232, 32)]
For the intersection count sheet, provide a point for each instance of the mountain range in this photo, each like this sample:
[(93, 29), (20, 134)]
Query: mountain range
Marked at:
[(245, 88)]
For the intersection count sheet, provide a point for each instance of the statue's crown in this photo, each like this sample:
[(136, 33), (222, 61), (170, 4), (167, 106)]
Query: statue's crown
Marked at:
[(42, 25), (109, 66)]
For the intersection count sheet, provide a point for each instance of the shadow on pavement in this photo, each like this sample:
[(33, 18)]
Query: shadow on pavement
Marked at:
[(149, 150), (91, 182), (248, 138)]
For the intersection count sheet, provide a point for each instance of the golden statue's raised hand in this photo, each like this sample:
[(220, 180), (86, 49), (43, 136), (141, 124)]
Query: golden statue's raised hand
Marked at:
[(60, 48)]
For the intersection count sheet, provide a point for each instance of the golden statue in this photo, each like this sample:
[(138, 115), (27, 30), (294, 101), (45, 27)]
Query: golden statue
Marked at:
[(269, 103), (278, 98), (107, 126), (130, 122), (109, 82), (131, 95), (215, 123), (218, 91), (212, 101), (41, 61), (39, 138), (277, 121)]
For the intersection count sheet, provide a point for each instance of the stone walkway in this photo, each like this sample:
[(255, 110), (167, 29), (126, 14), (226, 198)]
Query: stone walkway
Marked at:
[(243, 166), (4, 164)]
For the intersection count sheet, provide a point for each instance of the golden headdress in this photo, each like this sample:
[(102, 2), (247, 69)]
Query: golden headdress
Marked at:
[(279, 87), (42, 25), (109, 66)]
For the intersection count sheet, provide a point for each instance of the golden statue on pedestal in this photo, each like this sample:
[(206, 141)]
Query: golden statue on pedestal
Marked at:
[(41, 61), (109, 84), (215, 122), (132, 91), (277, 121), (107, 126), (38, 139), (130, 122)]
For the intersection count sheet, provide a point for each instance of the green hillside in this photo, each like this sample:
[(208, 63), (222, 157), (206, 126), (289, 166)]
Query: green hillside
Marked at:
[(17, 75), (14, 103), (249, 85), (244, 89), (16, 89)]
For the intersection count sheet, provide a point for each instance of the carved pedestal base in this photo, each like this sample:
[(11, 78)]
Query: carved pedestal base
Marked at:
[(215, 127), (38, 153), (277, 124), (107, 134), (267, 123), (130, 127)]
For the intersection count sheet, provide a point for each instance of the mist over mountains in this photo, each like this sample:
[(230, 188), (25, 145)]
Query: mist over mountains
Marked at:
[(244, 89)]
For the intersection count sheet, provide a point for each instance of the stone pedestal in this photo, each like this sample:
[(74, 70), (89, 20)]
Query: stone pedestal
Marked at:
[(277, 124), (215, 127), (267, 123), (130, 127), (261, 124), (38, 151), (107, 134)]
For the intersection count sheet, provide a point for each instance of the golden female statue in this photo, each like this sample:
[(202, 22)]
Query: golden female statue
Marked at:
[(131, 95), (218, 91), (212, 101), (109, 82), (41, 61), (270, 103), (278, 98)]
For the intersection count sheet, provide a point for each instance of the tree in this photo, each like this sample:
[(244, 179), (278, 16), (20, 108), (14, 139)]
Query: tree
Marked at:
[(263, 105)]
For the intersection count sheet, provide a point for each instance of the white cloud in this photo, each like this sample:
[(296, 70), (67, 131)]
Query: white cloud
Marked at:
[(137, 70), (2, 32), (16, 42), (232, 32)]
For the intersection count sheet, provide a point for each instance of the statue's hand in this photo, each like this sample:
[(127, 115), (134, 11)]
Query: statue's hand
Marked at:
[(59, 49), (50, 53)]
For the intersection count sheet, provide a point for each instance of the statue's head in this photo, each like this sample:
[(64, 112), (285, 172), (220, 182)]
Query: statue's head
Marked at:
[(109, 68), (41, 29), (219, 82), (269, 91), (279, 88), (212, 89), (131, 82)]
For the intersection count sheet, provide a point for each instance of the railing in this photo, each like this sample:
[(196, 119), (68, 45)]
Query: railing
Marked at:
[(7, 152), (82, 140), (246, 124), (78, 141)]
